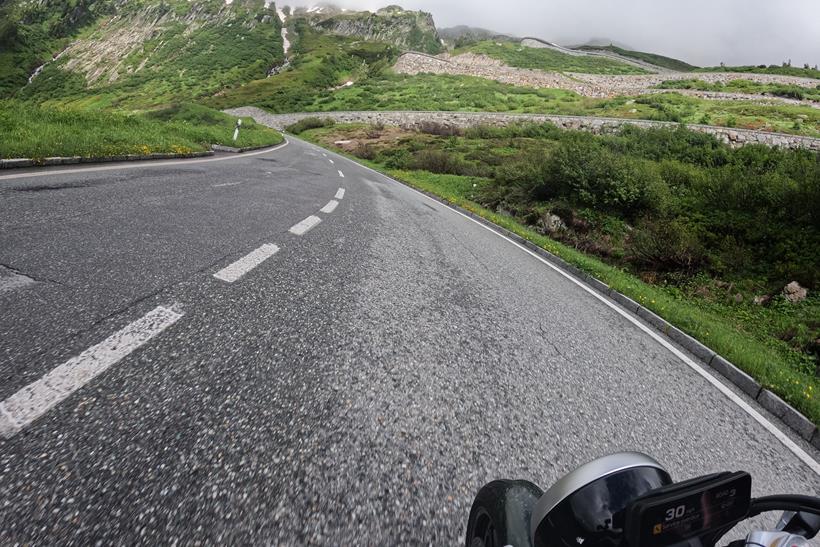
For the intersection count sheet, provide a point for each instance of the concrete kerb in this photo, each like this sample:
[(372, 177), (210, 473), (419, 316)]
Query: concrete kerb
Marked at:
[(787, 414), (233, 150), (16, 163)]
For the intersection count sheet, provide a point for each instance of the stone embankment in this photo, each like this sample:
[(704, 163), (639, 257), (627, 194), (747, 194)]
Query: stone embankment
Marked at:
[(482, 66), (591, 85), (415, 120)]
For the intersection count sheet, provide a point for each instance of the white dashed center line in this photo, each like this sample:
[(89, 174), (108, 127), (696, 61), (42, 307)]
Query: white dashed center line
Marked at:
[(340, 194), (331, 161), (245, 264), (330, 207), (306, 225), (227, 184), (37, 398), (341, 174)]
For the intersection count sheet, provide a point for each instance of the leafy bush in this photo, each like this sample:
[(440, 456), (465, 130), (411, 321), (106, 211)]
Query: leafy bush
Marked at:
[(309, 123), (667, 245)]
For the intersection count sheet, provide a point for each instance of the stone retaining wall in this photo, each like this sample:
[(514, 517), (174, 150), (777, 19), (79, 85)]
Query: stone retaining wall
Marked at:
[(413, 120)]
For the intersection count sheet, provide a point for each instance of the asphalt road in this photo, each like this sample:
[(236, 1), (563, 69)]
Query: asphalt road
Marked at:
[(356, 383)]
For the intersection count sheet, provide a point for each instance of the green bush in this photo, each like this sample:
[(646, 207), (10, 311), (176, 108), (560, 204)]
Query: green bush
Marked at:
[(309, 123)]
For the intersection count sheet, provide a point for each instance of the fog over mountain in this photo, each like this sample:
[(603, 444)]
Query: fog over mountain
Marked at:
[(703, 32)]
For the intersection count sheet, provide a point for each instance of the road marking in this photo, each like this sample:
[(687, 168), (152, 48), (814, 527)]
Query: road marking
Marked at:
[(784, 439), (341, 174), (141, 164), (331, 161), (228, 184), (340, 194), (245, 264), (306, 225), (11, 280), (330, 207), (37, 398)]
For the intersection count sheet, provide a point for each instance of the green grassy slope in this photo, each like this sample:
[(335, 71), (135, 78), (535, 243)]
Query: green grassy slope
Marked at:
[(320, 63), (413, 30), (178, 61), (549, 59), (32, 33), (28, 131), (747, 86), (652, 58), (292, 92), (763, 69)]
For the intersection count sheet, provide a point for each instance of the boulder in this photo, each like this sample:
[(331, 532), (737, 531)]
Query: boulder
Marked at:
[(794, 293)]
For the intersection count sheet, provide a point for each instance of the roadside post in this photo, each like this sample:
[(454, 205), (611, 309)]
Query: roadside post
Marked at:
[(236, 131)]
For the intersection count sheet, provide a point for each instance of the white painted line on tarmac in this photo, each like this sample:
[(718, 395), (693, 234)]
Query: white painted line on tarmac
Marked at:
[(245, 264), (11, 280), (37, 398), (331, 161), (340, 194), (720, 386), (330, 207), (143, 164), (228, 184), (306, 225), (341, 174)]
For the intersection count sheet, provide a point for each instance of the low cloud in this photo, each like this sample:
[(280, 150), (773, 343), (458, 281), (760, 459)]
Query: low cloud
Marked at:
[(702, 32)]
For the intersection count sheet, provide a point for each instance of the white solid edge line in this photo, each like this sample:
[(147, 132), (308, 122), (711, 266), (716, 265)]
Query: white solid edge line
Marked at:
[(138, 164), (340, 194), (24, 407), (235, 271), (731, 395), (305, 226), (330, 207), (341, 174)]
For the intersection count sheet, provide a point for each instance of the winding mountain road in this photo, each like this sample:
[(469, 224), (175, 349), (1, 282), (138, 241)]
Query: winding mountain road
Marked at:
[(284, 347)]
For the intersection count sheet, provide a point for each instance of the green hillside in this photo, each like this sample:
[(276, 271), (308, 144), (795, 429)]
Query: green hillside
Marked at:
[(407, 30), (549, 59), (651, 58), (763, 69), (154, 54)]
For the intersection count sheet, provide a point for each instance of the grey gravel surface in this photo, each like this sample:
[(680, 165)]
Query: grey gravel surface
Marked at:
[(357, 387)]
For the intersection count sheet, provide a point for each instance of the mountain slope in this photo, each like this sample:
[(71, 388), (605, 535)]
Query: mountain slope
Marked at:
[(651, 58), (409, 30), (156, 53)]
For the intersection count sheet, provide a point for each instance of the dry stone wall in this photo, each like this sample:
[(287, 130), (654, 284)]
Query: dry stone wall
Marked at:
[(591, 85), (414, 120)]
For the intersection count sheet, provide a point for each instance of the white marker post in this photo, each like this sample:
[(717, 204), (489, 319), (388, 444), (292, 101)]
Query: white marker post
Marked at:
[(236, 131)]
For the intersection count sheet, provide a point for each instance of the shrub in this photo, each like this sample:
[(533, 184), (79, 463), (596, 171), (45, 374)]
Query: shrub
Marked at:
[(309, 123), (441, 162), (365, 151), (440, 129), (666, 245)]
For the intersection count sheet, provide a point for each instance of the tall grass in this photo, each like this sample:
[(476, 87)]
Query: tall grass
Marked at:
[(29, 131)]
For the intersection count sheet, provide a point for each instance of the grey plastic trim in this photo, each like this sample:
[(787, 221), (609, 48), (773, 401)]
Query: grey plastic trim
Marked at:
[(587, 473)]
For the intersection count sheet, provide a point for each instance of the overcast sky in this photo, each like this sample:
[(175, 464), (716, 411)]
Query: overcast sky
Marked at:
[(702, 32)]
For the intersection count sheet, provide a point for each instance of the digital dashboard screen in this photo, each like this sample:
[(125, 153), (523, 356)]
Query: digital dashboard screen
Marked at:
[(691, 511)]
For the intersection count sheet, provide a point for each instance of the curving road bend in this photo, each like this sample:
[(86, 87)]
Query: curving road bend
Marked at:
[(287, 348)]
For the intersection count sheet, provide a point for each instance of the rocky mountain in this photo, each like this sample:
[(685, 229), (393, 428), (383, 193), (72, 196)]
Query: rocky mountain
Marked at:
[(409, 30), (462, 34), (146, 53)]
